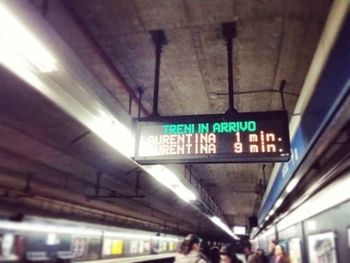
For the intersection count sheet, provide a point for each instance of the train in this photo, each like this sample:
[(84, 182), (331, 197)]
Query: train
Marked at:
[(48, 240)]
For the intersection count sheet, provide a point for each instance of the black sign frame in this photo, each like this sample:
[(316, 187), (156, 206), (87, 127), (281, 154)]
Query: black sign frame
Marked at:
[(218, 157)]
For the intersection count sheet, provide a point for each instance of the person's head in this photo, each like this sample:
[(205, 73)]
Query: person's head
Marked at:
[(227, 254), (191, 242), (260, 252), (214, 254), (246, 250), (279, 250), (272, 246)]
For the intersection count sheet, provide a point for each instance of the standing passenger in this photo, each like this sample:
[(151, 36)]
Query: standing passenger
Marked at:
[(280, 255), (214, 255), (250, 256), (228, 255), (272, 246), (261, 254), (189, 251)]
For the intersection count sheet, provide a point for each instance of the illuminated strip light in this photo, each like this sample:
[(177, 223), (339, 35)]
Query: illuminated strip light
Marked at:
[(171, 181), (239, 230), (139, 236), (278, 203), (223, 226), (28, 58), (78, 101), (292, 184), (23, 226), (114, 133), (15, 38), (44, 228)]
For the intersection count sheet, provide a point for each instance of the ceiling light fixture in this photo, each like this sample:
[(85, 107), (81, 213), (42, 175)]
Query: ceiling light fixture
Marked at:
[(24, 53), (292, 184), (39, 227), (223, 226), (168, 178), (114, 133), (15, 38), (239, 230), (278, 203), (46, 228), (145, 236)]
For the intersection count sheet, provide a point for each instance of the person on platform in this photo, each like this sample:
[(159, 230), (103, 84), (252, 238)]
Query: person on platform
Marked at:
[(261, 254), (189, 251), (228, 255), (250, 256), (271, 255), (214, 255), (280, 255)]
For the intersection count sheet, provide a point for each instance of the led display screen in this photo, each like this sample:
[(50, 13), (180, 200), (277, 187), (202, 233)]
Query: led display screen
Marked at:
[(242, 137)]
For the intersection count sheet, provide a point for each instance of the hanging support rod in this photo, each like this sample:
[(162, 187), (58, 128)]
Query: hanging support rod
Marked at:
[(140, 91), (282, 86), (264, 174), (159, 39), (229, 33)]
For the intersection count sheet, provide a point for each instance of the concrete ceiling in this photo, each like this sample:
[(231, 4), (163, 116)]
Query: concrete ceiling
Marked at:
[(276, 41)]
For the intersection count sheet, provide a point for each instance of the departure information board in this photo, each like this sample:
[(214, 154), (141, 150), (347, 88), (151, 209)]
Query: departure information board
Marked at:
[(241, 137)]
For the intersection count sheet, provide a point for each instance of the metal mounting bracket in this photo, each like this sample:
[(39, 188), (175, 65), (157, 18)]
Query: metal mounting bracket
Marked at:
[(114, 194), (229, 33), (159, 40), (281, 89)]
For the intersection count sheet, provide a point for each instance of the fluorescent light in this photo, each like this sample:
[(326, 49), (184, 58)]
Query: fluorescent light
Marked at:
[(144, 236), (239, 230), (184, 193), (25, 54), (278, 203), (163, 175), (14, 63), (223, 226), (114, 133), (171, 181), (16, 38), (54, 229), (128, 235), (38, 227), (292, 184)]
